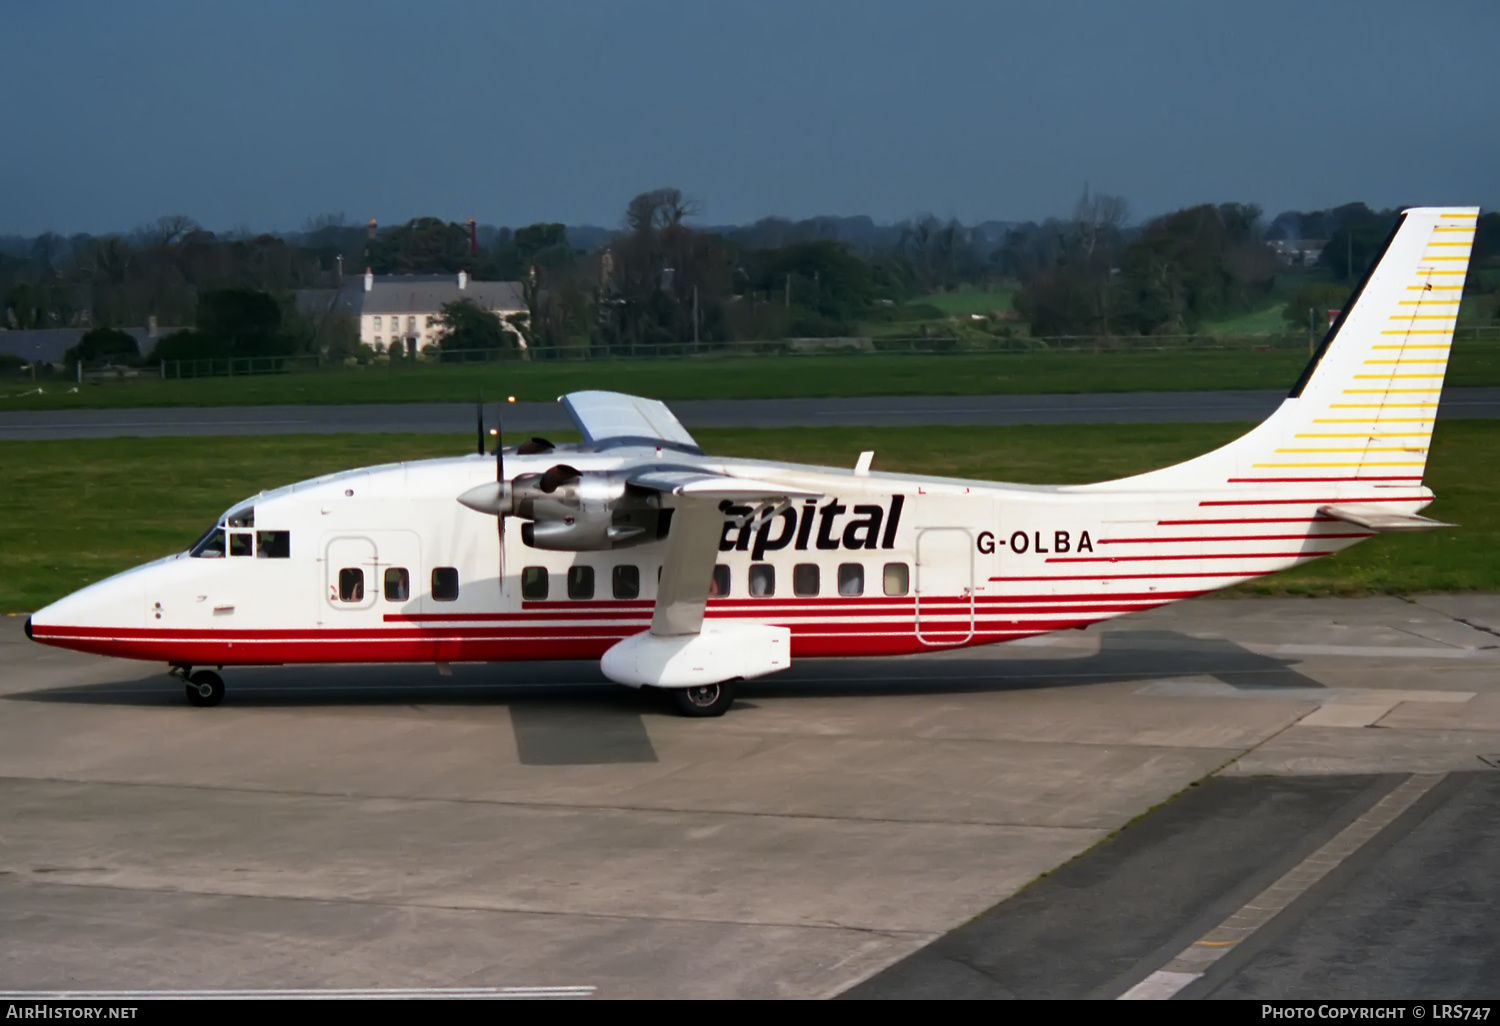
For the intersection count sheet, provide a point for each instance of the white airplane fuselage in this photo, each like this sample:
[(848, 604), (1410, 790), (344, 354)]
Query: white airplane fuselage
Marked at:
[(903, 564)]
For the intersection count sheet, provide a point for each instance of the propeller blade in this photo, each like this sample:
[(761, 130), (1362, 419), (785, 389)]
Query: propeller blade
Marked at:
[(479, 424)]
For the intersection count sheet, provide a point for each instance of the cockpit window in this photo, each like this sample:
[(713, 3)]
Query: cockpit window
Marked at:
[(241, 543), (242, 517), (273, 544), (210, 546)]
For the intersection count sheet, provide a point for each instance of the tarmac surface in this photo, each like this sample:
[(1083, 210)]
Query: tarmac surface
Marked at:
[(867, 827), (872, 411)]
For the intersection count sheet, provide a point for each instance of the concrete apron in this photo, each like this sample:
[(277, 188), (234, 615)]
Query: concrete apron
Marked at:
[(386, 827)]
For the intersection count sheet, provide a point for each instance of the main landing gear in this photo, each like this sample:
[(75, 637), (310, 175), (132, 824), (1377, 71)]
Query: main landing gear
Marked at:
[(705, 699), (204, 688)]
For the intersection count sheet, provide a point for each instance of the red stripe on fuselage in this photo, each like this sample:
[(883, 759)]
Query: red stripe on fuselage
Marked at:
[(1305, 502), (1195, 555), (1231, 538)]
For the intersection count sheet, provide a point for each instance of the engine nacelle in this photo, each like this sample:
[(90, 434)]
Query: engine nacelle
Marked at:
[(574, 511), (580, 532)]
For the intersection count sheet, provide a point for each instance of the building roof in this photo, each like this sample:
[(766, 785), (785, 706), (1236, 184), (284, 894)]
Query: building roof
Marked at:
[(410, 294)]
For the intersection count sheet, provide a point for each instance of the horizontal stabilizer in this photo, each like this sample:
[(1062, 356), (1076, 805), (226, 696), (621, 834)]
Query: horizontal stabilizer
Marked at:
[(707, 485), (1376, 519)]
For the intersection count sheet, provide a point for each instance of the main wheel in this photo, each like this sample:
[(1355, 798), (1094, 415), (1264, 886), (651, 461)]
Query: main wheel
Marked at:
[(705, 699), (205, 688)]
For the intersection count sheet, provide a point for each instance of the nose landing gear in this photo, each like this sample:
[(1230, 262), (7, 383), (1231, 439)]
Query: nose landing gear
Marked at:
[(204, 688)]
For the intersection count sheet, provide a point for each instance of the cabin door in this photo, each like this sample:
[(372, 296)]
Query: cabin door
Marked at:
[(945, 586), (375, 569)]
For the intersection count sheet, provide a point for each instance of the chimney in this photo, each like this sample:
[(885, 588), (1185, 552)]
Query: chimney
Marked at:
[(370, 229), (473, 238), (369, 280), (463, 280)]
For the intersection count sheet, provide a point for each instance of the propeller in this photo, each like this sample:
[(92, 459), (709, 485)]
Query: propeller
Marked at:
[(499, 486)]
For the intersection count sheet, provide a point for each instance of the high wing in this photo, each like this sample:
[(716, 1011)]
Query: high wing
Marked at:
[(610, 419), (705, 484)]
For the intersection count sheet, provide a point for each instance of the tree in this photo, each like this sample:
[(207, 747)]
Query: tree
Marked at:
[(424, 245), (466, 325), (1197, 264), (104, 344), (1068, 268), (243, 322), (1353, 248), (188, 345)]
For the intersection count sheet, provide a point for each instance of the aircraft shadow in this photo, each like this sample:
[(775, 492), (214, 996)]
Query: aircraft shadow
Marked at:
[(567, 714), (1123, 656)]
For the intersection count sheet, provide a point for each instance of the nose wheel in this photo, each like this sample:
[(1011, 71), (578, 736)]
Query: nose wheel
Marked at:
[(705, 699), (205, 688)]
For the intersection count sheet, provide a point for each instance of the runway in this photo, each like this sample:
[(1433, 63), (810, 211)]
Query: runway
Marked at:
[(853, 827), (874, 411)]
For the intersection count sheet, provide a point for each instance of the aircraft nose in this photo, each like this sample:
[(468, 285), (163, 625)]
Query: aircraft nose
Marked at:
[(28, 626)]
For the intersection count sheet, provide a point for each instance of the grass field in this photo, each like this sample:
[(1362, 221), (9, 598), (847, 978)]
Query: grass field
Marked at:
[(1473, 363), (72, 513), (1262, 322)]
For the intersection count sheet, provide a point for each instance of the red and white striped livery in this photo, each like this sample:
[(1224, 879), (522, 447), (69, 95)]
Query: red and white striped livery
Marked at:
[(683, 570)]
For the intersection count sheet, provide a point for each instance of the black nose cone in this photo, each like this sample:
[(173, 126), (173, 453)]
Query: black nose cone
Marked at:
[(28, 626)]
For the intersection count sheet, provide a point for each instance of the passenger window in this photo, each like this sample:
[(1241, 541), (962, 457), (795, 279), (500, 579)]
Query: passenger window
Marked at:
[(851, 579), (626, 581), (762, 580), (445, 584), (719, 587), (273, 544), (351, 585), (210, 546), (397, 584), (241, 543), (805, 580), (897, 578), (580, 582), (534, 582)]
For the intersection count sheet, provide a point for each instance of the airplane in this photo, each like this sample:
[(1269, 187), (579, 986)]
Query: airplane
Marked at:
[(689, 572)]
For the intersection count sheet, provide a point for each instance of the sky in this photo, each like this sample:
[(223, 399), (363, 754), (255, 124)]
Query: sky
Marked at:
[(260, 116)]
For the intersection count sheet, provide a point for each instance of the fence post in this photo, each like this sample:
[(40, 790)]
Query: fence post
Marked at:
[(79, 364)]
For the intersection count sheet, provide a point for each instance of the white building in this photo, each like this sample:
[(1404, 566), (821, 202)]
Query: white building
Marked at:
[(402, 309)]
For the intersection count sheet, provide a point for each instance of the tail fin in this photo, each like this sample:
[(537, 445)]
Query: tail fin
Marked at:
[(1364, 407)]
